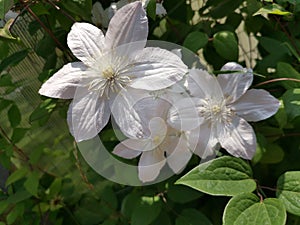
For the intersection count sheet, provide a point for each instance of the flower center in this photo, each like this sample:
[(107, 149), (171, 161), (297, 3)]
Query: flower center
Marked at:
[(108, 73), (110, 81), (215, 111)]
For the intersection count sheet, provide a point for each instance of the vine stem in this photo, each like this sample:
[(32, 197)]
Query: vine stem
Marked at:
[(268, 188), (276, 80), (61, 10), (287, 34), (78, 165)]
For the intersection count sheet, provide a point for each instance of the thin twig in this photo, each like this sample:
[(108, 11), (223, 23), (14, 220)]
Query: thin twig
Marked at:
[(287, 34), (78, 165), (276, 80), (61, 10)]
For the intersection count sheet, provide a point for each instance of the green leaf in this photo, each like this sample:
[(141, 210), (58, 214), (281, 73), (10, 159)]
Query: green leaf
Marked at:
[(226, 45), (81, 8), (192, 217), (4, 49), (224, 8), (285, 70), (4, 103), (19, 196), (288, 191), (3, 206), (225, 176), (32, 183), (272, 9), (266, 152), (14, 115), (13, 59), (129, 203), (43, 110), (195, 41), (5, 80), (247, 209), (55, 187), (16, 175), (5, 5), (291, 100), (5, 31), (151, 9), (17, 211), (18, 134), (183, 194), (146, 211)]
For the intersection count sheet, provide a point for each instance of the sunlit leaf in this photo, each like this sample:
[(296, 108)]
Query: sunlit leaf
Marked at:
[(226, 176), (226, 45), (288, 191), (272, 9), (248, 209)]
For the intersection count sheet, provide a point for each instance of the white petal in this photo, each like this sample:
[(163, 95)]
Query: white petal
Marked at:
[(150, 165), (160, 10), (86, 42), (124, 113), (202, 140), (179, 155), (256, 105), (129, 24), (184, 114), (239, 139), (234, 85), (138, 144), (149, 108), (124, 151), (158, 127), (63, 83), (203, 85), (99, 16), (87, 115), (155, 69)]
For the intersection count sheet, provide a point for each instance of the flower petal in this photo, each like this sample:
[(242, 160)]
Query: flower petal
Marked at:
[(239, 139), (138, 144), (202, 140), (179, 155), (86, 42), (256, 105), (201, 84), (64, 82), (154, 69), (158, 127), (125, 115), (150, 165), (235, 84), (87, 115), (123, 150), (129, 24), (184, 114)]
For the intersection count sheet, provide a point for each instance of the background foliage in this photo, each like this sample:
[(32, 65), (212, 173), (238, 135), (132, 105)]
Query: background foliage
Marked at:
[(49, 182)]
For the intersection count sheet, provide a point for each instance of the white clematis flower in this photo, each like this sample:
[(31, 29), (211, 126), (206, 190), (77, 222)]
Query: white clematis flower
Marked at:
[(159, 144), (220, 109), (101, 17), (110, 64)]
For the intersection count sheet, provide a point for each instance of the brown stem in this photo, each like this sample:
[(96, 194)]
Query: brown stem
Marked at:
[(16, 148), (46, 28), (268, 188), (61, 10), (78, 165), (276, 80), (287, 34)]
